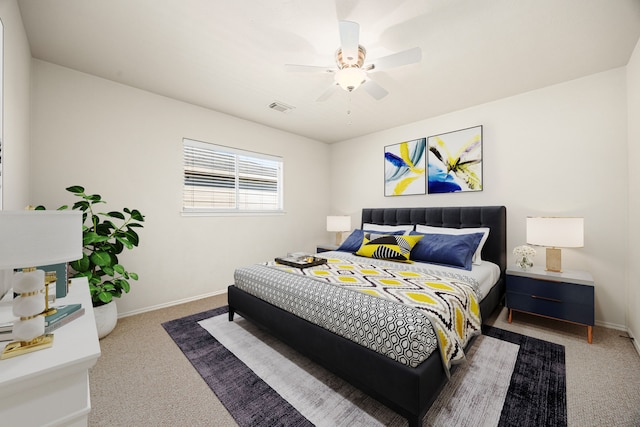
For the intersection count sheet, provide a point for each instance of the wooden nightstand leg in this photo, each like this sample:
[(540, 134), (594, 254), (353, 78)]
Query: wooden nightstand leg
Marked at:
[(589, 334), (510, 315)]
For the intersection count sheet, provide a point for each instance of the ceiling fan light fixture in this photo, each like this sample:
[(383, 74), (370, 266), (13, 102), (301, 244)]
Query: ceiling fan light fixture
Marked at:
[(350, 78)]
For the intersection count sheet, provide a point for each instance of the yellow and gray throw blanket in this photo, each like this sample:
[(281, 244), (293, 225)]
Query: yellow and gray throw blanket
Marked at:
[(450, 303)]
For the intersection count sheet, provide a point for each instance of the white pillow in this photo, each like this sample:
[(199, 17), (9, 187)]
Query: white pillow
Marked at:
[(388, 228), (477, 260)]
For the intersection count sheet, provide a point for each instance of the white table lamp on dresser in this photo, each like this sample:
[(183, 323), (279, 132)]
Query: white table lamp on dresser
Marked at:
[(43, 381), (27, 239)]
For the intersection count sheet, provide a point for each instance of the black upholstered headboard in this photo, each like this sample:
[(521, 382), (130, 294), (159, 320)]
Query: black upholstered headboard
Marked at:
[(494, 217)]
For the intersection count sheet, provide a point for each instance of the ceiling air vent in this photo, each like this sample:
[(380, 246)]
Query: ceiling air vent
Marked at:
[(281, 106)]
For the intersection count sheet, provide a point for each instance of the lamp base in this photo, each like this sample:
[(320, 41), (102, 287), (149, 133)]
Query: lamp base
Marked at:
[(49, 311), (554, 260), (18, 348)]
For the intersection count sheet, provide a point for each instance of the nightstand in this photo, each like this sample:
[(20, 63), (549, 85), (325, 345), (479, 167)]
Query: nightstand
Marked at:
[(326, 248), (567, 296)]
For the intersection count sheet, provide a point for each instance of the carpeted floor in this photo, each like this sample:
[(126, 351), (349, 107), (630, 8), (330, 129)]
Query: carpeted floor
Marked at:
[(143, 378), (508, 379)]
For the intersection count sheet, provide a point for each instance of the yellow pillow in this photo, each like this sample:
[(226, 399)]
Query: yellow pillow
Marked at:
[(391, 247)]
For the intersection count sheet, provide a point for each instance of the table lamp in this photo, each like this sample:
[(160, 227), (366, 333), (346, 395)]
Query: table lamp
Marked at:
[(27, 239), (555, 233), (339, 224)]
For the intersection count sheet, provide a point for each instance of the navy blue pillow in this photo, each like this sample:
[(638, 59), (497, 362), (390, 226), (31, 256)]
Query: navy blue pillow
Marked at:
[(452, 250), (354, 241)]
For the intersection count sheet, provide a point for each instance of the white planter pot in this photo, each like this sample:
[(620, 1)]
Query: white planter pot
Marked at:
[(106, 318)]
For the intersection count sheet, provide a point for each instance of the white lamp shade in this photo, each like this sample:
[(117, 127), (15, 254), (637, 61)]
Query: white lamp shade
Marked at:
[(339, 223), (31, 238), (558, 232)]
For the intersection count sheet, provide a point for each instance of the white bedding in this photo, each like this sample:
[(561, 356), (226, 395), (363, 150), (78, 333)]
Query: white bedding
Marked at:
[(487, 274)]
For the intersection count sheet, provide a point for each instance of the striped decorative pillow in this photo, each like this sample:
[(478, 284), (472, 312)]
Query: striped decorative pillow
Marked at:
[(390, 247)]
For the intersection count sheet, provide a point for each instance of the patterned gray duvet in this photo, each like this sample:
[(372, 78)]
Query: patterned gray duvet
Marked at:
[(397, 330)]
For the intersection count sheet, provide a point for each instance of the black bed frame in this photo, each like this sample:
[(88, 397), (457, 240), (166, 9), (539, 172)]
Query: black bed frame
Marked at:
[(408, 391)]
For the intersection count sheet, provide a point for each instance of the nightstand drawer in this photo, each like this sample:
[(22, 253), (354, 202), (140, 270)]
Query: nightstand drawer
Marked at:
[(562, 291), (558, 309)]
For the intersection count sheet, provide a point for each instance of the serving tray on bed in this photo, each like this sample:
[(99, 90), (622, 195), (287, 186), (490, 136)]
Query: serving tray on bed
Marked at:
[(301, 261)]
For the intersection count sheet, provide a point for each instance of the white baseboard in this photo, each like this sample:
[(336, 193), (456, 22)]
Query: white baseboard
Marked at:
[(172, 303), (635, 342), (611, 325), (622, 328)]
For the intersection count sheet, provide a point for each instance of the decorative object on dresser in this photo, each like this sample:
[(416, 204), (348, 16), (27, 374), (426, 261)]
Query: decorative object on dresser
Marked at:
[(339, 224), (58, 273), (455, 161), (104, 239), (27, 239), (555, 233), (567, 296)]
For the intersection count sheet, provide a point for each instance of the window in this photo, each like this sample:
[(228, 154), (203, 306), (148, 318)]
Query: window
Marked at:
[(223, 179)]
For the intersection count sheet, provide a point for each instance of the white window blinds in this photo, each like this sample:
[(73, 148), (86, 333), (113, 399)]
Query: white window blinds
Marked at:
[(224, 179)]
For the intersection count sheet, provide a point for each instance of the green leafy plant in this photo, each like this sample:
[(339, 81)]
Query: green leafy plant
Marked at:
[(104, 236)]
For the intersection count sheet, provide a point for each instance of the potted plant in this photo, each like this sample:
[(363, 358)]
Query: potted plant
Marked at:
[(104, 236)]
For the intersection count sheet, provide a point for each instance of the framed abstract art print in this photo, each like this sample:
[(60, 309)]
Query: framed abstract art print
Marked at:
[(455, 161), (404, 168)]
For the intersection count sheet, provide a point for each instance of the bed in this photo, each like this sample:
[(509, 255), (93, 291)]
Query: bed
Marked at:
[(409, 390)]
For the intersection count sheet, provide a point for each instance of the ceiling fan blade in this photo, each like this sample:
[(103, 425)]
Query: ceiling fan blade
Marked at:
[(349, 40), (374, 89), (405, 57), (308, 68), (327, 93)]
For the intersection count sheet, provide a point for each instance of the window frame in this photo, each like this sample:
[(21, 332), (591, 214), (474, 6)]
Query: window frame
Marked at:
[(238, 155)]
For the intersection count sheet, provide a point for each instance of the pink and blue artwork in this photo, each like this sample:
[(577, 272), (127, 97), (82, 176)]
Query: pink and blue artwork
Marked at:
[(404, 168), (455, 161)]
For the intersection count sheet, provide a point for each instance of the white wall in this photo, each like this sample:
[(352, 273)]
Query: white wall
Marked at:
[(126, 144), (16, 87), (558, 151), (633, 113)]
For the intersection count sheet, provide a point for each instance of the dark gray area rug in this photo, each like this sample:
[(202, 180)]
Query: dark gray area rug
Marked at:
[(535, 394)]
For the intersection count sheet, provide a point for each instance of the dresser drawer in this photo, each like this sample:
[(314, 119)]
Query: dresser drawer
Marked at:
[(562, 291)]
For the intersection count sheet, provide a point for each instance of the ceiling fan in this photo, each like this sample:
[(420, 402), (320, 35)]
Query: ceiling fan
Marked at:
[(351, 72)]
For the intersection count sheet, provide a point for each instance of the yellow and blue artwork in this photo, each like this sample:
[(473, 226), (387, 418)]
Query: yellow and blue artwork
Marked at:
[(455, 161), (404, 168)]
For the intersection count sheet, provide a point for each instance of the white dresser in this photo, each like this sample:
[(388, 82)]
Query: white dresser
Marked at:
[(51, 387)]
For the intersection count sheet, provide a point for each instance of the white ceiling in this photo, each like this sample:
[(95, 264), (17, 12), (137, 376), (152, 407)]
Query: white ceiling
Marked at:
[(228, 55)]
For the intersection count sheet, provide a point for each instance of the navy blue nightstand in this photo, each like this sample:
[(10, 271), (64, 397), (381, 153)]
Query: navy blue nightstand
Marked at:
[(567, 296)]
